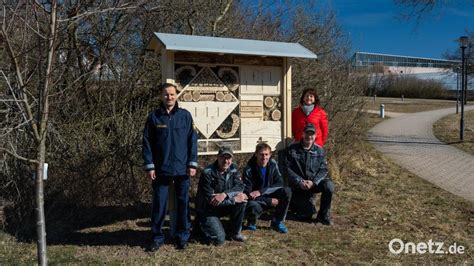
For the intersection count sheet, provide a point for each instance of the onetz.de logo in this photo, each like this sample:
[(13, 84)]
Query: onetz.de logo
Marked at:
[(397, 246)]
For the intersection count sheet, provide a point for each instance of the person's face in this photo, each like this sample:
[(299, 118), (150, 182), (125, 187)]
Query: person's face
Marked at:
[(168, 96), (308, 139), (224, 161), (263, 156), (309, 98)]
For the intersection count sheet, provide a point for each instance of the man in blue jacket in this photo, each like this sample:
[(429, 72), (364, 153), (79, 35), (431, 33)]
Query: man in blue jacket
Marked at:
[(265, 189), (170, 155), (307, 175), (220, 193)]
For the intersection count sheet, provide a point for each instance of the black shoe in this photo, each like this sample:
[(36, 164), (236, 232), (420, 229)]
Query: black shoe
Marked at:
[(154, 247), (324, 221), (238, 238), (181, 245)]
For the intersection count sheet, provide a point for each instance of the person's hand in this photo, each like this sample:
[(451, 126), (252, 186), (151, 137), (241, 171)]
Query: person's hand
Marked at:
[(191, 172), (274, 202), (309, 184), (218, 199), (255, 194), (241, 197), (303, 185), (151, 174)]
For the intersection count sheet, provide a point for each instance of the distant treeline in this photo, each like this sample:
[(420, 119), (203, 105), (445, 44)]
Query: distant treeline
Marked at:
[(410, 87)]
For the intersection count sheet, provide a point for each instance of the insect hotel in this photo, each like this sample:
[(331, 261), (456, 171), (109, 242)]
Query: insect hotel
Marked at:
[(238, 91)]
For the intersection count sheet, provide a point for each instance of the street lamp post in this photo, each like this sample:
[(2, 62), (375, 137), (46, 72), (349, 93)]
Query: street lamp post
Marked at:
[(468, 66), (463, 40), (457, 70)]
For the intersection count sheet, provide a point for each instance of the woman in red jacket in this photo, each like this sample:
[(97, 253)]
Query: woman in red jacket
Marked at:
[(309, 111)]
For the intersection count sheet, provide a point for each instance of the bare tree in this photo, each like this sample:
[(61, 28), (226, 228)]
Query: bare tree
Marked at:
[(420, 10), (35, 35), (35, 125), (75, 92)]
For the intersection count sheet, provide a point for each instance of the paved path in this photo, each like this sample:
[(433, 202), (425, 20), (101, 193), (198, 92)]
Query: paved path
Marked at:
[(409, 141), (389, 114)]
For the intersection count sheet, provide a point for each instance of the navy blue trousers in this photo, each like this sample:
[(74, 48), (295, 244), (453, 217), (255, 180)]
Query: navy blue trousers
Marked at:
[(160, 199)]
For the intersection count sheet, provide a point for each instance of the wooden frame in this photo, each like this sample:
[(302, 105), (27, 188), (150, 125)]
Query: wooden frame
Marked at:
[(252, 103)]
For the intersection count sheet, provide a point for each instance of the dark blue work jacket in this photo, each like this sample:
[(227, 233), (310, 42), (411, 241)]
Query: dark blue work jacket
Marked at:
[(169, 142), (212, 182), (302, 164)]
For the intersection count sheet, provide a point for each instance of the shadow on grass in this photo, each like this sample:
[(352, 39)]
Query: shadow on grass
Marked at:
[(94, 226), (459, 142), (123, 237)]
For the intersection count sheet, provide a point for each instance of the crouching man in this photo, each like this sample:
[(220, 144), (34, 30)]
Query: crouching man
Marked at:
[(220, 193), (265, 189), (308, 175)]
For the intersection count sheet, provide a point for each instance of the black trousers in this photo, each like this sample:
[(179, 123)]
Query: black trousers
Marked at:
[(256, 207), (302, 200), (211, 225)]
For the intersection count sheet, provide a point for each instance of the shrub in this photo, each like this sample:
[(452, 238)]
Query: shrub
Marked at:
[(408, 86)]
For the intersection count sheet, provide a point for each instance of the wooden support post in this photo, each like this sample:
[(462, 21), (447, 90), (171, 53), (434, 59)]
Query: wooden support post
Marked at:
[(167, 65), (286, 100), (286, 130)]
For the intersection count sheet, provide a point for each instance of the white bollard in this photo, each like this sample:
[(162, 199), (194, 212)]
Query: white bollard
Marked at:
[(382, 110)]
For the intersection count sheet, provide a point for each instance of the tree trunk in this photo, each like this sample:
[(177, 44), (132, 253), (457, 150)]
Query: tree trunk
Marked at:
[(40, 217)]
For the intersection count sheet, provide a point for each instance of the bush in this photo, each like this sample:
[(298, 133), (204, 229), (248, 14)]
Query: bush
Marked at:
[(410, 87), (96, 118)]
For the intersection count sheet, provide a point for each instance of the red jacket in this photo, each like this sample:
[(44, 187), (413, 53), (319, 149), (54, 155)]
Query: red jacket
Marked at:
[(317, 117)]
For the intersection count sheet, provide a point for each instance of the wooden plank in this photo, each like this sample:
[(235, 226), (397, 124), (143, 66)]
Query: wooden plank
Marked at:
[(286, 100), (251, 103), (253, 115), (167, 64), (258, 60), (208, 116), (261, 80), (227, 59), (254, 129), (216, 140), (251, 109), (250, 97)]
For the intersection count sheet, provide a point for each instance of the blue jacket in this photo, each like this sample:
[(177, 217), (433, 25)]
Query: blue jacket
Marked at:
[(305, 164), (169, 142)]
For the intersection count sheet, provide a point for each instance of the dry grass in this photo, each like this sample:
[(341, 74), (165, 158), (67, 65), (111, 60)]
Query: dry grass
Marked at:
[(447, 130), (408, 105), (375, 202)]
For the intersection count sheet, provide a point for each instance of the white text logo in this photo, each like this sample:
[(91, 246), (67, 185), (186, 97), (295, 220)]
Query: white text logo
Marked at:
[(397, 246)]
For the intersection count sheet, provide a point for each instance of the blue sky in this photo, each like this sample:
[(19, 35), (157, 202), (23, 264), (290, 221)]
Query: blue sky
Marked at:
[(375, 26)]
